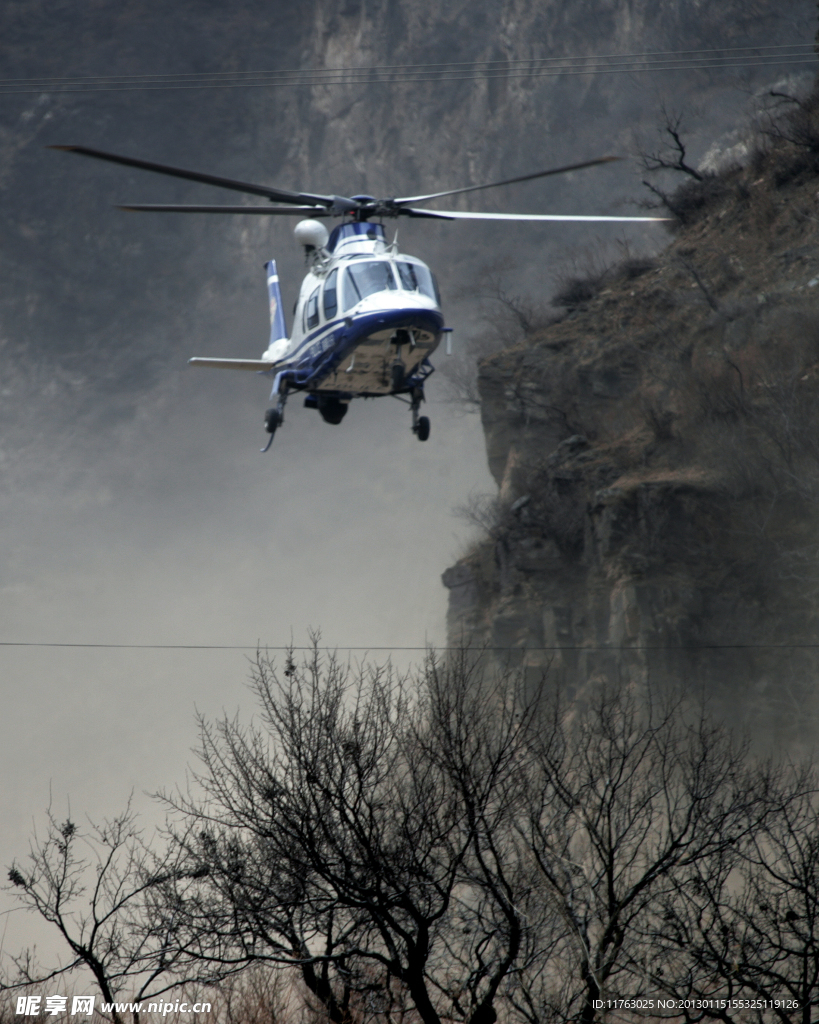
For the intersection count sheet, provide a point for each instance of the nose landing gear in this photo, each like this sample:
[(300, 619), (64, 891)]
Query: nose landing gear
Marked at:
[(397, 377), (420, 424), (398, 371)]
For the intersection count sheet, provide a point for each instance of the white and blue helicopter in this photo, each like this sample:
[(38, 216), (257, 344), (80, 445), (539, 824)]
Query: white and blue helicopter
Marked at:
[(368, 317)]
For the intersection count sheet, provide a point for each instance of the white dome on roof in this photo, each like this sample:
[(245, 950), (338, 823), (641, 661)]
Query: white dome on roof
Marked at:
[(312, 234)]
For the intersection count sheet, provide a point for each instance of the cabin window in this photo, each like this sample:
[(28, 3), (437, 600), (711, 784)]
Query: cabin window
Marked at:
[(415, 277), (365, 279), (331, 295), (312, 309)]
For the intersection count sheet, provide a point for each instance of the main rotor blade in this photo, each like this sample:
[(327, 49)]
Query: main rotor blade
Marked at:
[(280, 195), (300, 211), (508, 181), (462, 215), (408, 211)]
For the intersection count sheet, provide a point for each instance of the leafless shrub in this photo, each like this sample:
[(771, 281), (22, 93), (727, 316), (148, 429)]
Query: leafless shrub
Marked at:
[(791, 126), (658, 417), (672, 154), (460, 373), (553, 509), (575, 291), (486, 512), (716, 392), (584, 277), (259, 996), (557, 511), (750, 921), (506, 319), (698, 193), (633, 267), (514, 317), (700, 282), (753, 421), (774, 402), (581, 278), (691, 200)]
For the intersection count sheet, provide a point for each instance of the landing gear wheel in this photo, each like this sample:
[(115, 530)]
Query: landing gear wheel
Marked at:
[(420, 424), (274, 417), (397, 376)]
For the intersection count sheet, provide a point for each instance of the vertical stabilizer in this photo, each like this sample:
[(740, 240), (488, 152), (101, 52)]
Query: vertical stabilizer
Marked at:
[(278, 331)]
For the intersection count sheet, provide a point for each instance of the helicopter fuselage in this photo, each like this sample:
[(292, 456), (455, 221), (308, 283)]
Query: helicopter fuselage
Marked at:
[(364, 309), (365, 323)]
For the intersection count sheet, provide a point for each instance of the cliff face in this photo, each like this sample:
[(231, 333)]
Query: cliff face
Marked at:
[(657, 458)]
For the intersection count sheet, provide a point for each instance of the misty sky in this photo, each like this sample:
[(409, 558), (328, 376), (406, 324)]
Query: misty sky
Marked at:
[(212, 543)]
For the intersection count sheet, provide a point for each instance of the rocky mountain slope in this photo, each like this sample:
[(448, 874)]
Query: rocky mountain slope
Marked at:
[(657, 457)]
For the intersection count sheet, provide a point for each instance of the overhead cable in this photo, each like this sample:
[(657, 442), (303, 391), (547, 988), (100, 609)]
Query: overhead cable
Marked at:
[(445, 647), (387, 74)]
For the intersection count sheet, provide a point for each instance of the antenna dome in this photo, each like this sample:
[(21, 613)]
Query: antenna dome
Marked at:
[(312, 234)]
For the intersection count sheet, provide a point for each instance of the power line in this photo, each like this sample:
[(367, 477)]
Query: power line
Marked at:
[(755, 50), (667, 60), (445, 647), (397, 81)]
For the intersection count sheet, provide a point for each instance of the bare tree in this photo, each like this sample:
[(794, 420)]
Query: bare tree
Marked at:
[(744, 925), (672, 156), (699, 189), (362, 834), (627, 798), (452, 849), (93, 887)]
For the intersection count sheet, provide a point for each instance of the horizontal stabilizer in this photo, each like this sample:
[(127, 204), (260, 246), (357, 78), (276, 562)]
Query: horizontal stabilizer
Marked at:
[(232, 364)]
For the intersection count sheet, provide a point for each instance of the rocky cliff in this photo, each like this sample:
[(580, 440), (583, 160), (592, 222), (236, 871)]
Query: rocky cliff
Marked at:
[(656, 450)]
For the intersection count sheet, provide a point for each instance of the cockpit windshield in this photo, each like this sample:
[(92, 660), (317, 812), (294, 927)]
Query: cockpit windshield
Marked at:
[(415, 277), (365, 278)]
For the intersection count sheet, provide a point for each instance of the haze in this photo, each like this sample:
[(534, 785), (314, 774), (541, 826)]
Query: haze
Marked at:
[(136, 508)]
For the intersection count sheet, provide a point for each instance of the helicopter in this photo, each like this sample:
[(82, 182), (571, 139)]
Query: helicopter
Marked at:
[(368, 317)]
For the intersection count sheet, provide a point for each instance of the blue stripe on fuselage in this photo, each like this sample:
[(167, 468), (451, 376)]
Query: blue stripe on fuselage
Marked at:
[(344, 338)]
